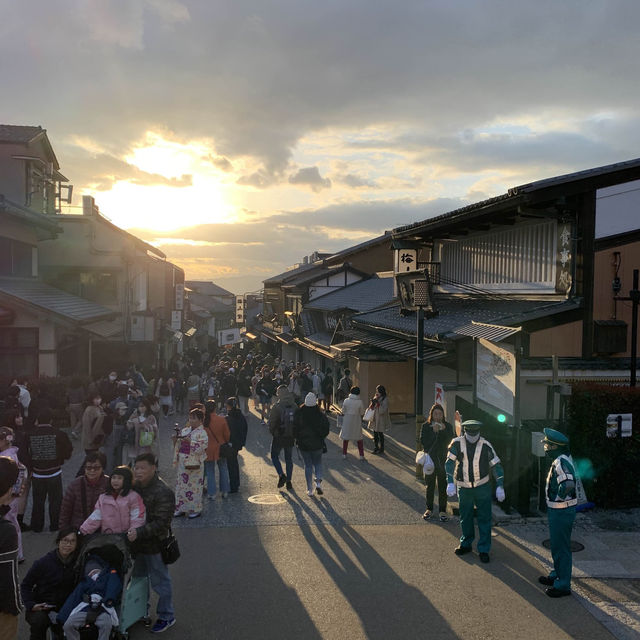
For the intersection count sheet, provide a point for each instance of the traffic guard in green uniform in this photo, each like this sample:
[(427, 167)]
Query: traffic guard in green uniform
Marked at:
[(469, 461), (561, 511)]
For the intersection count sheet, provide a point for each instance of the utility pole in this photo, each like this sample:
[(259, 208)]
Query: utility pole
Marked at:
[(634, 294), (419, 381)]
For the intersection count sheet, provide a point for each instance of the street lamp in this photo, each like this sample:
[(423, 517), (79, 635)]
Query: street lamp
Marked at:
[(414, 289)]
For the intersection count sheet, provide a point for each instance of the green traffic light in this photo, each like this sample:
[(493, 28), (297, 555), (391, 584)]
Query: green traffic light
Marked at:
[(502, 417)]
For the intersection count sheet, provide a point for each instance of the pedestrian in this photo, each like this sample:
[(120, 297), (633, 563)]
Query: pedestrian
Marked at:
[(82, 494), (244, 388), (148, 539), (193, 389), (266, 389), (92, 419), (344, 386), (189, 455), (219, 435), (435, 436), (470, 459), (117, 509), (20, 439), (49, 448), (10, 600), (48, 583), (327, 389), (7, 448), (351, 429), (381, 420), (146, 429), (281, 427), (560, 492), (238, 437), (164, 391), (311, 427), (75, 406)]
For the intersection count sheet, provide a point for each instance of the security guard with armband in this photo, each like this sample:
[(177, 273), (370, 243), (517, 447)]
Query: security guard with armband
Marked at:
[(469, 461), (561, 512)]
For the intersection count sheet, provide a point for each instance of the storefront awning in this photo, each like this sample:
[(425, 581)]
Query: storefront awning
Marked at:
[(492, 332)]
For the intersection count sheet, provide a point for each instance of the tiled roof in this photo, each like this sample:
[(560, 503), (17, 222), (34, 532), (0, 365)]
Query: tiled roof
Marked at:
[(207, 288), (52, 300), (514, 193), (458, 312), (19, 134), (362, 296), (290, 273), (40, 220)]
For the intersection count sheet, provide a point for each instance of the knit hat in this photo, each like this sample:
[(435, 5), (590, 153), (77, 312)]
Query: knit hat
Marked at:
[(311, 399)]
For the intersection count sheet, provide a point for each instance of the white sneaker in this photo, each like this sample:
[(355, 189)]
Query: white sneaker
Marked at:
[(344, 456), (309, 492)]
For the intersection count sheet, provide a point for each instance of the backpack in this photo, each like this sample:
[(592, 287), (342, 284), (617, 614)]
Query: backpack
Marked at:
[(286, 421)]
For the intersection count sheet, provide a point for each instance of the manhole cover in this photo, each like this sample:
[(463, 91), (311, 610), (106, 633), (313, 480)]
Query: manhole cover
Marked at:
[(575, 546), (267, 498)]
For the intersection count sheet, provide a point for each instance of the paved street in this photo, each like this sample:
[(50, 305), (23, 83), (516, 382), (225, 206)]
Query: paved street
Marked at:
[(357, 563)]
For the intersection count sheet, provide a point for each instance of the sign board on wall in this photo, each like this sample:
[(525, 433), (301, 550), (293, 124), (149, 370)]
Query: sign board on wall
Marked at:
[(240, 309), (496, 375), (180, 297), (622, 422), (176, 320), (228, 336), (439, 394)]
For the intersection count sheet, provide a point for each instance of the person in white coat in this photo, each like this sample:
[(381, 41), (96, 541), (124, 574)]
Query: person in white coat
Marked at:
[(352, 411)]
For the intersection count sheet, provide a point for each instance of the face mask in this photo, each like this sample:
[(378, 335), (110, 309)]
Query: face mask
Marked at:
[(141, 418), (550, 452), (472, 438), (112, 378)]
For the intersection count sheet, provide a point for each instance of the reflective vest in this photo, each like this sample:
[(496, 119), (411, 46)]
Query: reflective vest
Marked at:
[(560, 474), (475, 472)]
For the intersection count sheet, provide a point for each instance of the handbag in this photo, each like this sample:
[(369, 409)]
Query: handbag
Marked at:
[(170, 550), (226, 448), (369, 414), (146, 438)]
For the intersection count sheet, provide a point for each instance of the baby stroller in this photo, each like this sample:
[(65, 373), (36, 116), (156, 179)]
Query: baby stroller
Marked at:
[(113, 549)]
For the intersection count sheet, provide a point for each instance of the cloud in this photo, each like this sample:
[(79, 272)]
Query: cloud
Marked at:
[(356, 182), (103, 170), (222, 163), (310, 177)]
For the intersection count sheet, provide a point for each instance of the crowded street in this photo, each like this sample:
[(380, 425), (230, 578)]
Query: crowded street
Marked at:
[(357, 562)]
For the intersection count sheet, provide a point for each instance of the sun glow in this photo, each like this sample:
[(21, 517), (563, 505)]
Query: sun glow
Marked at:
[(154, 205)]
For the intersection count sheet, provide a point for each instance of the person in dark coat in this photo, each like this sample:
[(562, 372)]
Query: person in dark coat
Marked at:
[(281, 425), (10, 601), (435, 436), (238, 429), (311, 427), (49, 583), (148, 540), (49, 448)]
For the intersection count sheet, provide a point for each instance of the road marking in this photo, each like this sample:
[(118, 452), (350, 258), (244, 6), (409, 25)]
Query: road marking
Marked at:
[(267, 498)]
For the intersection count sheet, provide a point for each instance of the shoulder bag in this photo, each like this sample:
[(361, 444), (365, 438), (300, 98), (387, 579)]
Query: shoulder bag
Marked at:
[(170, 550), (226, 449)]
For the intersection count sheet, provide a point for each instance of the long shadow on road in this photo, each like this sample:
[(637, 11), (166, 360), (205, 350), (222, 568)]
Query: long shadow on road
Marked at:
[(370, 585)]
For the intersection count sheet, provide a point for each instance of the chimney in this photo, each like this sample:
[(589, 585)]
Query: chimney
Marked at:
[(88, 206)]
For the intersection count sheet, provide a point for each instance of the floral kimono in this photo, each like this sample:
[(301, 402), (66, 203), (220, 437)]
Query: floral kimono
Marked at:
[(189, 456)]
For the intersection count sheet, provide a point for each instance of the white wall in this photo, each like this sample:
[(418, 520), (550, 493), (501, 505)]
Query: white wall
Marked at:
[(618, 209)]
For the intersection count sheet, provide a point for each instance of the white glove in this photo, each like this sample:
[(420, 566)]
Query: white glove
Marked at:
[(451, 489), (500, 494)]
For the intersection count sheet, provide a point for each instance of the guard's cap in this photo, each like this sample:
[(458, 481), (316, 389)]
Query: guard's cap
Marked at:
[(471, 426), (551, 436)]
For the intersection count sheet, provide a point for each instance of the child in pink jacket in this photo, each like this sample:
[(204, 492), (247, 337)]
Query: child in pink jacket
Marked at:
[(119, 508)]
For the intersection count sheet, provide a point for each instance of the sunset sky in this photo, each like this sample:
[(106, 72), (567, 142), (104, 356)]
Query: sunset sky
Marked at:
[(241, 135)]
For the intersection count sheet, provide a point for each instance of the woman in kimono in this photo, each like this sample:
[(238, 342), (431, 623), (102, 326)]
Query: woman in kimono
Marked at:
[(190, 453)]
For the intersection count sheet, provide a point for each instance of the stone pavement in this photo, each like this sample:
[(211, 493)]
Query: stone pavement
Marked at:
[(606, 573)]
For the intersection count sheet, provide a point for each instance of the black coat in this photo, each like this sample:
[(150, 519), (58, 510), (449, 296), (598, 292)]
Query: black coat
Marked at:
[(311, 427), (238, 428), (49, 580), (10, 601), (436, 444), (159, 503)]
